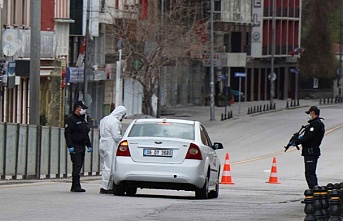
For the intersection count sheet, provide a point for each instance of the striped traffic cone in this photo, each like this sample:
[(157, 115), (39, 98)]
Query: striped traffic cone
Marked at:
[(273, 174), (226, 177)]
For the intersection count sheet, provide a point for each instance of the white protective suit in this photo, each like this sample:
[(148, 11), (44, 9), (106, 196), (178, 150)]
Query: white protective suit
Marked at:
[(110, 135)]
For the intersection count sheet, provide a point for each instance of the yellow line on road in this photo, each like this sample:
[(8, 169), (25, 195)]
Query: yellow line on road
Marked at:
[(281, 151)]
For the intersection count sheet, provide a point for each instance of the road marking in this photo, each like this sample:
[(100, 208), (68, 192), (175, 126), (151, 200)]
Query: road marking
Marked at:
[(281, 151)]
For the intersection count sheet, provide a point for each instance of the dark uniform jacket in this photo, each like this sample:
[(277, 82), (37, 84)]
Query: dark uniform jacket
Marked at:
[(76, 132), (312, 138)]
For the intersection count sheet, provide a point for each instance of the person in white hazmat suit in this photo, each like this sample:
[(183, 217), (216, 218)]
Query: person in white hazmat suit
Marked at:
[(110, 135)]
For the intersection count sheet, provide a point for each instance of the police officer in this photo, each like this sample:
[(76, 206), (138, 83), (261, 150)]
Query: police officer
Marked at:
[(310, 141), (77, 138)]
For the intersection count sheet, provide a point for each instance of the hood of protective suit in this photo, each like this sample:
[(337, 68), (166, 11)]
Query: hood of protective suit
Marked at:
[(119, 112)]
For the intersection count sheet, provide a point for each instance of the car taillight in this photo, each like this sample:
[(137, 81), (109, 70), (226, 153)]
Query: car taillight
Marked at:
[(123, 149), (193, 152)]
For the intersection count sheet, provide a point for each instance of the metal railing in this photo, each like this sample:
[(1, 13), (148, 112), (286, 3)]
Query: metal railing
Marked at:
[(39, 152)]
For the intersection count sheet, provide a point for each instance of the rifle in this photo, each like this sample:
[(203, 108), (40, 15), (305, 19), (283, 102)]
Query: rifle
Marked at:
[(295, 136)]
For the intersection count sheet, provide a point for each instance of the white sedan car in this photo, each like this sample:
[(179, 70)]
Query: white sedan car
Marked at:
[(167, 154)]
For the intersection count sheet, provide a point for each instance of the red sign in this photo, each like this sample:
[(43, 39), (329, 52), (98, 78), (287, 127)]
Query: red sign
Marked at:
[(200, 30)]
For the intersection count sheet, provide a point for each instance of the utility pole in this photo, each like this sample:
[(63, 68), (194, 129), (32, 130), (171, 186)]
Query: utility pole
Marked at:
[(118, 73), (35, 18), (1, 57), (212, 67), (158, 109), (339, 78), (271, 78), (87, 56)]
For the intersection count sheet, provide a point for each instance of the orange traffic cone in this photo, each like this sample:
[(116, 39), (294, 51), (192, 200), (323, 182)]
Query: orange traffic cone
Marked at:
[(273, 174), (226, 177)]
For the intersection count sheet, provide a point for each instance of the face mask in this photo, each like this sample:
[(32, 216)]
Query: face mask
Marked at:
[(309, 117), (83, 111)]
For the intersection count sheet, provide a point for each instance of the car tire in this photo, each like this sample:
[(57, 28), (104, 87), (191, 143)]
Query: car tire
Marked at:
[(214, 193), (119, 189), (203, 192), (131, 191)]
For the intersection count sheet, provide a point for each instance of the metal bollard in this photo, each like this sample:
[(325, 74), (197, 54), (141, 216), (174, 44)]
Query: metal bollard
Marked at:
[(341, 198), (287, 105), (318, 204), (334, 206), (325, 202), (309, 206)]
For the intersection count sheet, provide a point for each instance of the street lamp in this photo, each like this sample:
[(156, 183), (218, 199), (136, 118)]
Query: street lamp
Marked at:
[(212, 67), (158, 109), (87, 56), (272, 75), (35, 15)]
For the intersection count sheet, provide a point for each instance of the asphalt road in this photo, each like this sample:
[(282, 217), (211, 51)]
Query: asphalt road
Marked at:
[(251, 142)]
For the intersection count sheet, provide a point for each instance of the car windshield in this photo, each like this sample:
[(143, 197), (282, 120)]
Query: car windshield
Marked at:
[(160, 129)]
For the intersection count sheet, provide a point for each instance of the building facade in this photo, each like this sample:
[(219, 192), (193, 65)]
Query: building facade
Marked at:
[(286, 15), (244, 39), (16, 38)]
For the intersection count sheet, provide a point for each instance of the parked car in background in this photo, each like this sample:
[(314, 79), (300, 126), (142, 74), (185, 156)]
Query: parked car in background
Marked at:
[(235, 95), (167, 154)]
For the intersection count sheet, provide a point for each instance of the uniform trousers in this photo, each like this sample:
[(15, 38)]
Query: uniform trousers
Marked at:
[(310, 170), (77, 159)]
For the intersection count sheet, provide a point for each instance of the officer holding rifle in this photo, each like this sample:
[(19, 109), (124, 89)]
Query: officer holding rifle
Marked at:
[(310, 142)]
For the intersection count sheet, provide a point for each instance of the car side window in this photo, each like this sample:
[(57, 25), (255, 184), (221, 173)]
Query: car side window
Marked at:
[(204, 137), (208, 138)]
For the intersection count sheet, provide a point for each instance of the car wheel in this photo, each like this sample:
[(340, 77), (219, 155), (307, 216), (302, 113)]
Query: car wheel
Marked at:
[(131, 191), (214, 193), (203, 192), (119, 189)]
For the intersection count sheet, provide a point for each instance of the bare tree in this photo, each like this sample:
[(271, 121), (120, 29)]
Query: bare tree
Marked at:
[(151, 41)]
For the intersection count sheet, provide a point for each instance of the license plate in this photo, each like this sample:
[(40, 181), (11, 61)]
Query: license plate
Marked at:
[(157, 153)]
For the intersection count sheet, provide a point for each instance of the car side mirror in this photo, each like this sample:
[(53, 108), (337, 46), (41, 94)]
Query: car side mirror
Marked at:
[(217, 146)]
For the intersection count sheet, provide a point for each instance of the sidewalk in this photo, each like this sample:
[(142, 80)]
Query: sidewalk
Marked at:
[(239, 110)]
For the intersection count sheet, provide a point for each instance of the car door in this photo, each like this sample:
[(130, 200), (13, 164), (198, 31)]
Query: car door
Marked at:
[(214, 164)]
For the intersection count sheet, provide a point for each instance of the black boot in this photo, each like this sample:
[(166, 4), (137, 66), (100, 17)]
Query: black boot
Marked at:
[(76, 186), (78, 189), (103, 191)]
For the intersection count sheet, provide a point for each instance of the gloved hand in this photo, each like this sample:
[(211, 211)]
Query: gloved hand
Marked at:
[(90, 149), (300, 137), (71, 150)]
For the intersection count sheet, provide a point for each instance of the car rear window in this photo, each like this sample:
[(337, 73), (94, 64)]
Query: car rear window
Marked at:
[(168, 129)]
